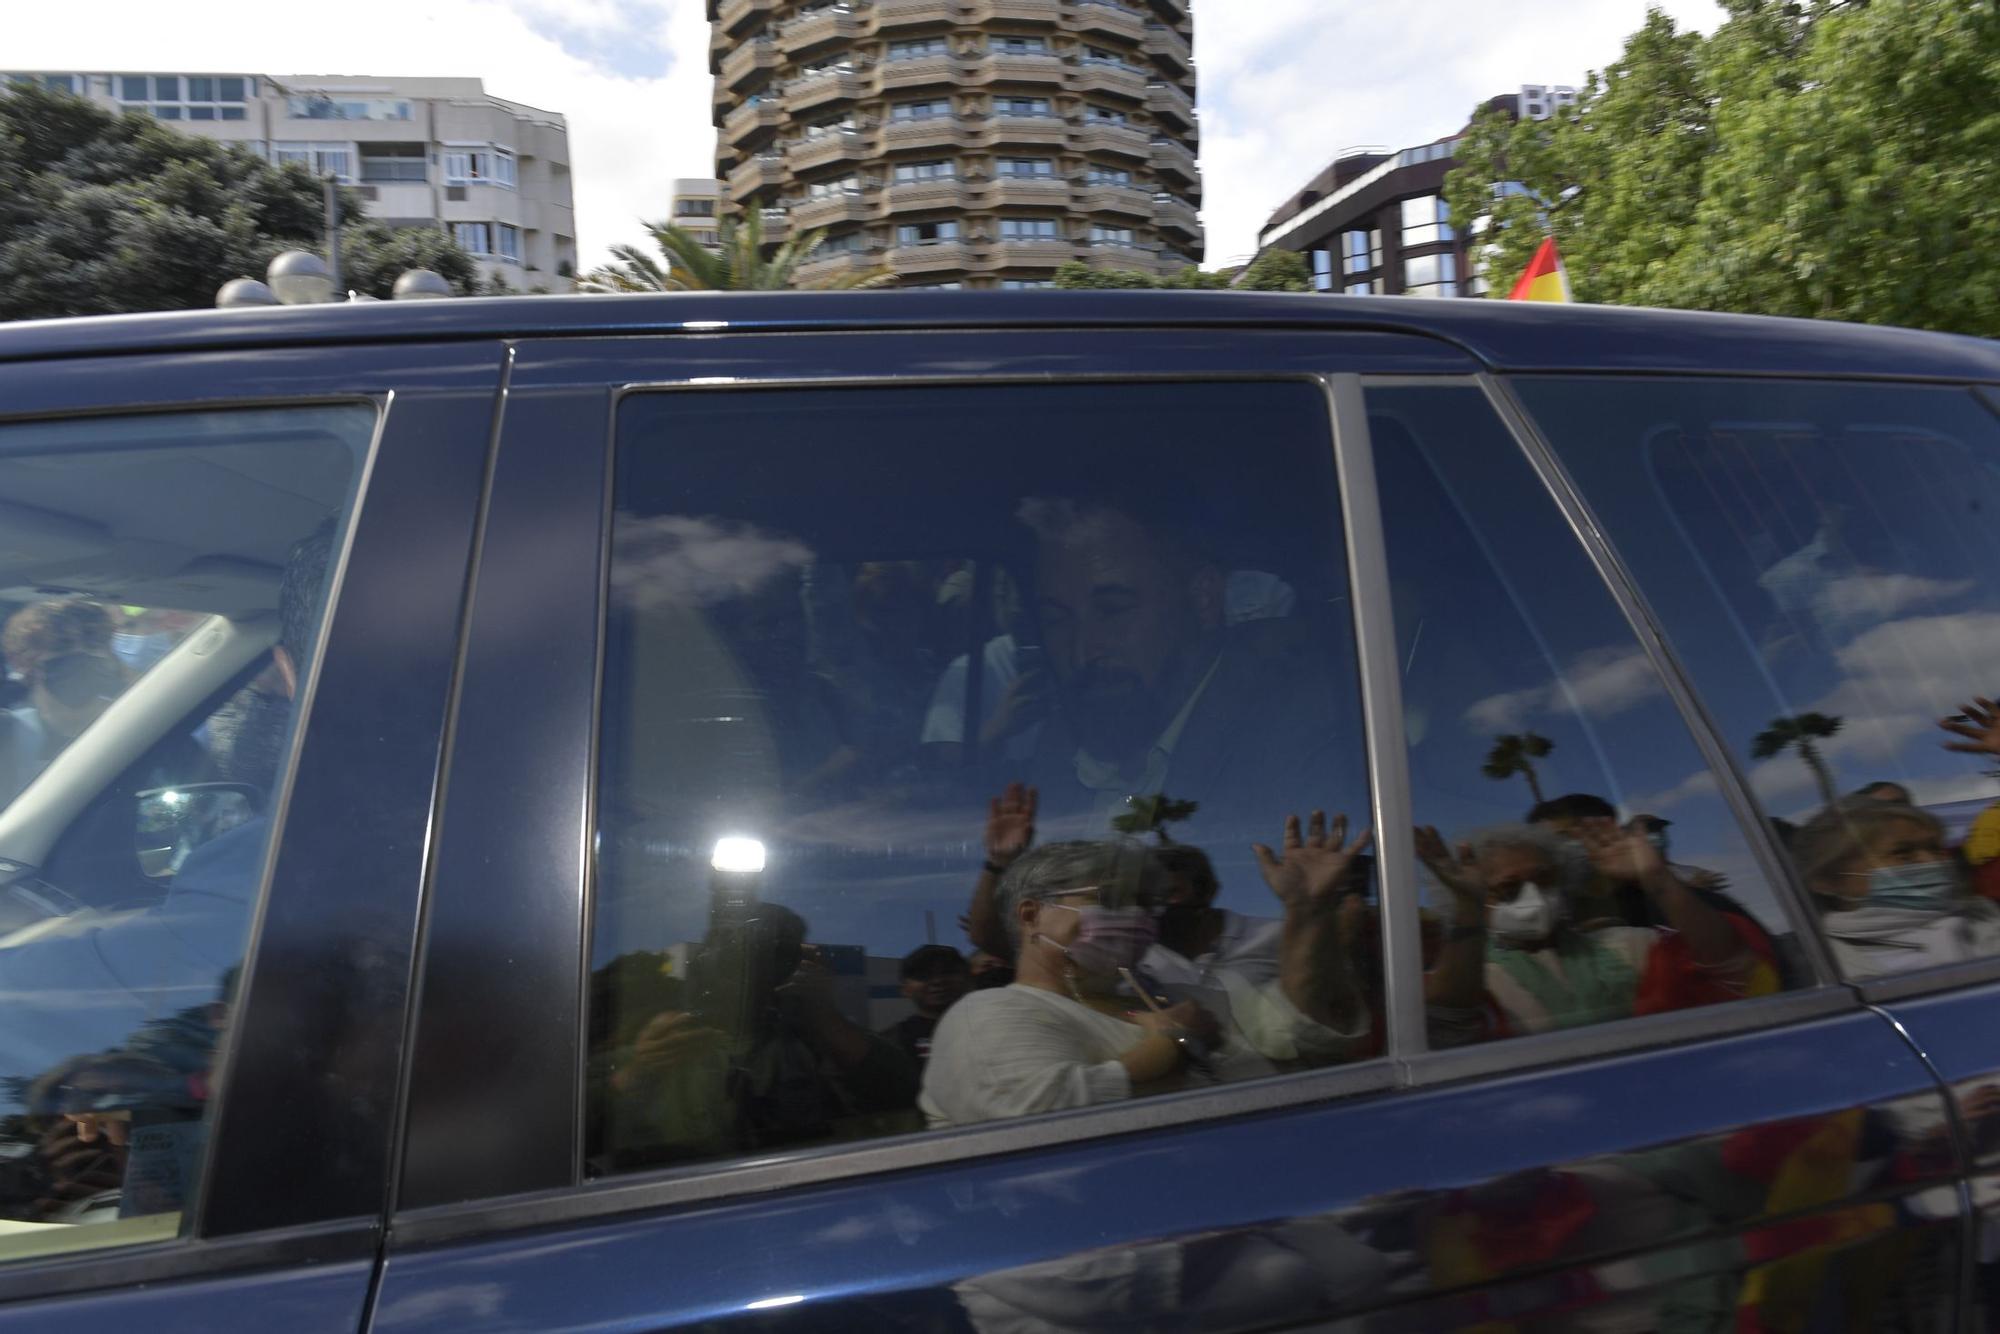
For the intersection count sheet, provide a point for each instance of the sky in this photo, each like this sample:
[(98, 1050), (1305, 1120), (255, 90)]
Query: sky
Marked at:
[(1285, 84)]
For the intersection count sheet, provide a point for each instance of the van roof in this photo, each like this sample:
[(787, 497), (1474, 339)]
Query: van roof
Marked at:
[(1504, 335)]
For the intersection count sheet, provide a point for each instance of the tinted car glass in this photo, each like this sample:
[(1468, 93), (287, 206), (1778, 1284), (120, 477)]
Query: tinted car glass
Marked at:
[(1577, 875), (864, 648), (1822, 557), (166, 579)]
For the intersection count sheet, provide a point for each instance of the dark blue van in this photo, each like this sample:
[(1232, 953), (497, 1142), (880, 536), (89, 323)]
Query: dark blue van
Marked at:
[(886, 812)]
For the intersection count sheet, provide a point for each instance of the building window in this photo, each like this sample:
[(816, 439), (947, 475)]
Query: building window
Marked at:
[(336, 160), (1021, 106), (1018, 46), (167, 113), (934, 287), (1097, 55), (935, 109), (1426, 221), (321, 106), (1030, 229), (695, 208), (132, 88), (1360, 251), (1431, 275), (1026, 168), (1108, 176), (510, 241), (1118, 236), (479, 166), (1322, 262), (391, 164), (840, 189), (920, 49), (1362, 288), (908, 173), (473, 237), (926, 233), (1098, 115), (1026, 284)]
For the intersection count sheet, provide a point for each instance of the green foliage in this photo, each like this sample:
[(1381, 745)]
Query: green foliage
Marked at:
[(1826, 158), (1152, 814), (1515, 754), (104, 213), (739, 264), (1277, 271), (1078, 276)]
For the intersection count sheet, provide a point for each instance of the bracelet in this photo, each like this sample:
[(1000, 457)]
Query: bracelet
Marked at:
[(993, 868)]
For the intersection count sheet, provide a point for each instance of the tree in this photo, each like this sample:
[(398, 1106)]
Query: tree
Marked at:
[(1827, 158), (1800, 732), (1515, 754), (373, 256), (738, 264), (1077, 275), (103, 213), (1277, 271)]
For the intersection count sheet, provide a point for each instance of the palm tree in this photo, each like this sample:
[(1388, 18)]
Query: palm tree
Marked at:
[(738, 264), (1800, 732), (1514, 754)]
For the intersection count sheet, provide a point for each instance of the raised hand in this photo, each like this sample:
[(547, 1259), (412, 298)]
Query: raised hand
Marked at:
[(1010, 824), (1314, 867), (1979, 724), (1459, 873)]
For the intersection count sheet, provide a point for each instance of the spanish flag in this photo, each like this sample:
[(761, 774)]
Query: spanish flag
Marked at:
[(1545, 278)]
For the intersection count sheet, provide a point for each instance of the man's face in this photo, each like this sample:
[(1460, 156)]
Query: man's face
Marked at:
[(72, 689), (1119, 622), (938, 992)]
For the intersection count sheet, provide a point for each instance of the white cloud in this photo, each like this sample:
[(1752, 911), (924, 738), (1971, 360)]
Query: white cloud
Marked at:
[(1287, 84), (1599, 683), (1864, 597)]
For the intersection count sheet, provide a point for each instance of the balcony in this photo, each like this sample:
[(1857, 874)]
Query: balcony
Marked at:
[(919, 196), (1098, 136), (766, 171), (1164, 43), (1110, 18), (1173, 158), (1118, 258), (836, 265), (922, 71), (931, 132), (777, 224), (1110, 197), (752, 123), (999, 130), (733, 14), (825, 88), (900, 13), (1023, 254), (1018, 67), (929, 257), (1170, 103), (809, 215), (808, 32), (1025, 192), (1018, 11), (823, 150), (1090, 75), (1176, 215), (753, 59)]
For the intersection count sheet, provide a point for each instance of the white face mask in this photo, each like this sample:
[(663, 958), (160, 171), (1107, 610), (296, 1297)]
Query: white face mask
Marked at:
[(1529, 918)]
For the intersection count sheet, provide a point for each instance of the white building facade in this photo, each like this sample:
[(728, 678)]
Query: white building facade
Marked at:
[(421, 152), (696, 206)]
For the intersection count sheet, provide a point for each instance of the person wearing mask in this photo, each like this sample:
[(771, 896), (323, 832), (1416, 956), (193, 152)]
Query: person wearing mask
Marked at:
[(934, 978), (1512, 944), (61, 650), (1070, 1032), (1891, 896)]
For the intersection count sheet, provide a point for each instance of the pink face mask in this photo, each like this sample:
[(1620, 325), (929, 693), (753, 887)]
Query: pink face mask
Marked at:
[(1108, 939)]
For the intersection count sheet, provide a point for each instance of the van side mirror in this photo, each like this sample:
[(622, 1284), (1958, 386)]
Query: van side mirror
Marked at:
[(173, 821)]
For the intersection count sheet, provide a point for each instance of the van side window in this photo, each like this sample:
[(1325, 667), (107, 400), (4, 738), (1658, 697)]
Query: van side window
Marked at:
[(1823, 558), (1581, 869), (162, 582), (960, 756)]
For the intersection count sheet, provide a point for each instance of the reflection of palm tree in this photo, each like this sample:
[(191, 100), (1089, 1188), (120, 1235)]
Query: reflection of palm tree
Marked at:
[(1800, 732), (1512, 754)]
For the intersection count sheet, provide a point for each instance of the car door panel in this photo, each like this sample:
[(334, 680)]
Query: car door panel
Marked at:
[(312, 1067), (1740, 1170)]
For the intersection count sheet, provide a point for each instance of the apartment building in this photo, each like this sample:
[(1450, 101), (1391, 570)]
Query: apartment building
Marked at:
[(420, 151), (697, 208), (963, 143)]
